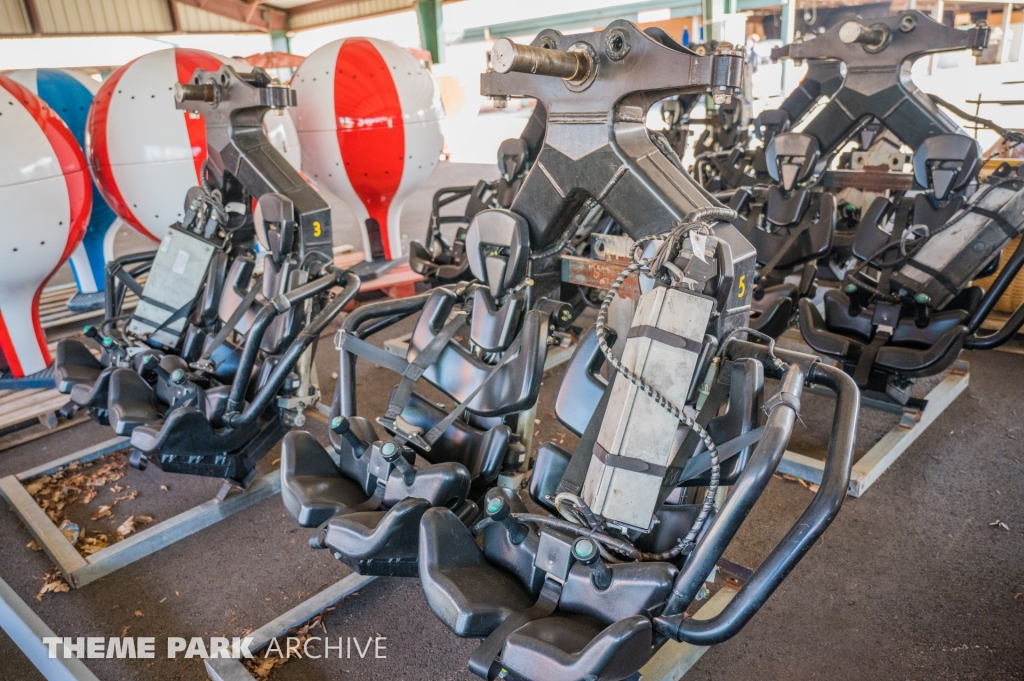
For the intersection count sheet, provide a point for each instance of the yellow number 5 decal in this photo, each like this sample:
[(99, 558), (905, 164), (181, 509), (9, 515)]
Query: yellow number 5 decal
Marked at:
[(743, 286), (317, 231)]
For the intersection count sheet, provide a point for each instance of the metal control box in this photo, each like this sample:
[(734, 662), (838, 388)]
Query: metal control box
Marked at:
[(954, 256), (178, 273), (635, 444)]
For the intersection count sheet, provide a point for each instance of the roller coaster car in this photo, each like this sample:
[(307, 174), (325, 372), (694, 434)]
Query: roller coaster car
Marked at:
[(368, 496), (212, 406), (443, 262), (907, 308), (791, 228), (192, 399), (552, 604)]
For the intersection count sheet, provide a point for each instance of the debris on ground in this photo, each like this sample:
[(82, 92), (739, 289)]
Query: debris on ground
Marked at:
[(70, 530), (90, 544), (1000, 525), (53, 582), (789, 478), (261, 667), (76, 483), (128, 526)]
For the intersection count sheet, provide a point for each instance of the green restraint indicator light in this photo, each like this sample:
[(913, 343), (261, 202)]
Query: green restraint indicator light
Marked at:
[(584, 549), (494, 505)]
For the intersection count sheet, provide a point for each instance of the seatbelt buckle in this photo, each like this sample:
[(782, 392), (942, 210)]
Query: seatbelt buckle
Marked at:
[(405, 431), (339, 339), (203, 365), (378, 466), (886, 317)]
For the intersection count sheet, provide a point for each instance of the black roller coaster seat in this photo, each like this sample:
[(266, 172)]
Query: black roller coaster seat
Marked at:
[(881, 335), (791, 230), (547, 606), (946, 163), (445, 262), (770, 123), (369, 495)]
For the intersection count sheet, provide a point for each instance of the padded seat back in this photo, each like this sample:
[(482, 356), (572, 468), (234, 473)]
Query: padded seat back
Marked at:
[(946, 163), (770, 123), (791, 158), (582, 384), (457, 372), (804, 231)]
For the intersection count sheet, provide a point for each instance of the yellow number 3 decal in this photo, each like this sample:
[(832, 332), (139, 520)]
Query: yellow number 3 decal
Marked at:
[(317, 231), (743, 286)]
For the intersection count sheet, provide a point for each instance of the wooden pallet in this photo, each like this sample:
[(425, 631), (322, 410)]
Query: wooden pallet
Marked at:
[(53, 306), (27, 415)]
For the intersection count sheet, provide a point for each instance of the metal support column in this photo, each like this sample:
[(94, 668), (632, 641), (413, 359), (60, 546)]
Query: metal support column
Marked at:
[(937, 11), (1004, 42), (280, 42), (431, 20), (788, 35)]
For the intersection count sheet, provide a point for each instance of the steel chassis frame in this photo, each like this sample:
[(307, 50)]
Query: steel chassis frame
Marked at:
[(914, 420), (28, 630), (80, 570)]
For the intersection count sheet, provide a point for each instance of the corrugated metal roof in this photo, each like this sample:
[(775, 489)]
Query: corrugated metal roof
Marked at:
[(353, 10), (194, 20), (14, 18), (104, 16)]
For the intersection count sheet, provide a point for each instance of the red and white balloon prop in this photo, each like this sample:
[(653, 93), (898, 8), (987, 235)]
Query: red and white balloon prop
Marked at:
[(369, 122), (145, 154), (45, 199)]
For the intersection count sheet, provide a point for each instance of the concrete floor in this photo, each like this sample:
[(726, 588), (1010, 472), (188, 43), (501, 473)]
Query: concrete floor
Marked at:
[(909, 583)]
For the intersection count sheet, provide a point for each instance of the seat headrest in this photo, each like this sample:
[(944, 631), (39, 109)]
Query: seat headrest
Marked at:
[(512, 157), (946, 163), (791, 157), (497, 246), (770, 123)]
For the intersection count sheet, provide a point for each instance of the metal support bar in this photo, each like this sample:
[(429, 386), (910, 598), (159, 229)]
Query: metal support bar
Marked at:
[(172, 10), (27, 631), (226, 669), (889, 448), (81, 570), (431, 21), (33, 17), (1004, 42), (280, 42), (788, 35), (937, 13), (675, 658)]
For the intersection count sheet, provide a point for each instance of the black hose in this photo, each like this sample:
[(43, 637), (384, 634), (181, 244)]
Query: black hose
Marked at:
[(619, 545)]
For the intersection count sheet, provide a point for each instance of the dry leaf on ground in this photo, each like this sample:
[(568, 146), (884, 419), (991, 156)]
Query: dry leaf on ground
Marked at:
[(53, 582), (103, 512)]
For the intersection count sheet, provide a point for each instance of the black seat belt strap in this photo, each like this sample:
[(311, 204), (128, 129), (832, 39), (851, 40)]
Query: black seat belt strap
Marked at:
[(486, 654)]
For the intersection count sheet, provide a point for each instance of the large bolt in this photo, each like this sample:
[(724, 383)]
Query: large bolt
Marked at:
[(192, 92), (853, 32), (507, 56)]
